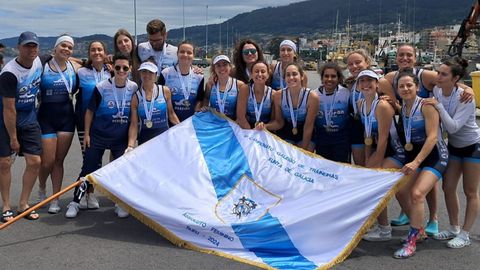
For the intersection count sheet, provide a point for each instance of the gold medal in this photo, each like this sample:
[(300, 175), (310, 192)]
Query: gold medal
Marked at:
[(186, 102), (368, 141), (256, 123), (409, 146), (445, 135), (149, 123), (295, 131)]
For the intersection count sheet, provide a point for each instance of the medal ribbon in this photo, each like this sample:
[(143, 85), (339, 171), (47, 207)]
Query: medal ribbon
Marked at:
[(68, 84), (149, 112), (258, 110), (408, 125)]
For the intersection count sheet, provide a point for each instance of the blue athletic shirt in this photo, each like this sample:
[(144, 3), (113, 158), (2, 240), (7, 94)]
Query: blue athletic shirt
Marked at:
[(230, 100), (340, 119), (52, 86), (88, 78), (300, 111), (109, 129), (374, 118), (22, 84), (170, 77), (159, 115), (266, 111), (277, 77)]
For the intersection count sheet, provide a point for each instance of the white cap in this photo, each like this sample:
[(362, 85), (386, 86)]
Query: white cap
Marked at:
[(289, 43), (368, 72), (220, 58), (148, 66), (64, 38)]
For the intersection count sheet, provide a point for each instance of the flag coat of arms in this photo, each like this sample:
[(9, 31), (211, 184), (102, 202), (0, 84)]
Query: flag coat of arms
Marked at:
[(209, 185)]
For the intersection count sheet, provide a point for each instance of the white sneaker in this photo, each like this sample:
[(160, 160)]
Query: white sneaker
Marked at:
[(72, 210), (92, 201), (378, 234), (54, 207), (83, 202), (42, 195), (120, 212)]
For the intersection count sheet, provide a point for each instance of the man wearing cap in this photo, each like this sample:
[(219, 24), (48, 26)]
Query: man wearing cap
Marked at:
[(165, 55), (19, 129)]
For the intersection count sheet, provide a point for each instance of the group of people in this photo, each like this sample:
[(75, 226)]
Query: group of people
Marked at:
[(401, 120)]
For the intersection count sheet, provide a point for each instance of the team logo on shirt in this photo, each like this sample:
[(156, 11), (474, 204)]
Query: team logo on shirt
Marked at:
[(111, 104)]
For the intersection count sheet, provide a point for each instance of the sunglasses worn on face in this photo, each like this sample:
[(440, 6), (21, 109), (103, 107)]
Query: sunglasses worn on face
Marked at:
[(249, 51), (125, 68)]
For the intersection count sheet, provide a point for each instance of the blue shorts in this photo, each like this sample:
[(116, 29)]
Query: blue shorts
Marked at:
[(469, 153), (56, 117), (29, 138)]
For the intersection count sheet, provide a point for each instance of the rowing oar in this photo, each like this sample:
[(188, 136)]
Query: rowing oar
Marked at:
[(40, 204)]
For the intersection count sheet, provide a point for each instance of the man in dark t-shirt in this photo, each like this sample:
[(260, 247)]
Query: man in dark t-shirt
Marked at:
[(19, 130)]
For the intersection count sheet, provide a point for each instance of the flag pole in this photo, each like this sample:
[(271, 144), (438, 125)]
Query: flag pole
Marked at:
[(40, 204)]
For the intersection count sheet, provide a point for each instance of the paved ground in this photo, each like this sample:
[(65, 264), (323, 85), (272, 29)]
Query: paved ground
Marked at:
[(98, 240)]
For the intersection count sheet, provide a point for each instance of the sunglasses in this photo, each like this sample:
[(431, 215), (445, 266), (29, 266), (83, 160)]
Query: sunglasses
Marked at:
[(249, 51), (125, 68)]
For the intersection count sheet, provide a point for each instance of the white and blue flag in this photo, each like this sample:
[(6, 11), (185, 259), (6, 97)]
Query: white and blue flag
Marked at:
[(209, 185)]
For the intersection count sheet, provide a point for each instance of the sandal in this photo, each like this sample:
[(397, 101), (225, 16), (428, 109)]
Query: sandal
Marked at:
[(445, 235), (31, 215), (7, 216), (459, 242)]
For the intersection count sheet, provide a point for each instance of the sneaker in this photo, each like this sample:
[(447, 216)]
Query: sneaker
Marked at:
[(121, 213), (401, 220), (410, 245), (378, 234), (72, 210), (42, 195), (460, 241), (432, 228), (83, 202), (445, 235), (422, 236), (54, 207), (92, 201)]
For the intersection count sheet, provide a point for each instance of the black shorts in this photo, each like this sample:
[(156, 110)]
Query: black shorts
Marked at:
[(436, 161), (29, 138), (56, 117), (356, 133), (469, 153)]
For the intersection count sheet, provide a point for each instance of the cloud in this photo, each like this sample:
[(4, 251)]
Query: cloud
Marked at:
[(87, 17)]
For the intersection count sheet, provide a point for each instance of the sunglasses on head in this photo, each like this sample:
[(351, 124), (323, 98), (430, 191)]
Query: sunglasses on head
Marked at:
[(125, 68), (249, 51)]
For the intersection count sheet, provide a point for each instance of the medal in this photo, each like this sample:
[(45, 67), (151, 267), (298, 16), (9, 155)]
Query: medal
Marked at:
[(256, 123), (117, 102), (444, 135), (356, 116), (257, 109), (185, 85), (222, 100), (407, 124), (368, 141), (328, 110), (409, 146), (149, 111), (369, 118), (294, 115), (149, 123)]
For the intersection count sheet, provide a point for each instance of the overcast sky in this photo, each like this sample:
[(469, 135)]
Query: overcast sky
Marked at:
[(86, 17)]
